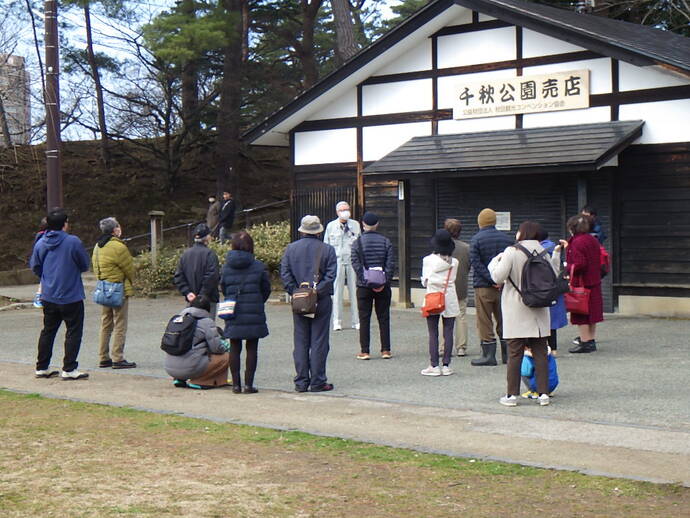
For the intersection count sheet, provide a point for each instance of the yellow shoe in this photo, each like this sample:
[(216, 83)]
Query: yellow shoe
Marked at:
[(530, 395)]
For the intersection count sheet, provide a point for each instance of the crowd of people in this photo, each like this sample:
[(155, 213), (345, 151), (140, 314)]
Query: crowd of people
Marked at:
[(315, 272)]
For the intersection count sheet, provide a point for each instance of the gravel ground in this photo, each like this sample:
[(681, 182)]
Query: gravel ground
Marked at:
[(621, 383)]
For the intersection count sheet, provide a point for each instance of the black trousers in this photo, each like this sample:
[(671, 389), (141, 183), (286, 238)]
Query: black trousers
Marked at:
[(381, 301), (53, 315), (311, 345)]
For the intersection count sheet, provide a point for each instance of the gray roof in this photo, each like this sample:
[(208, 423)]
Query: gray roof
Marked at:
[(578, 148), (638, 44)]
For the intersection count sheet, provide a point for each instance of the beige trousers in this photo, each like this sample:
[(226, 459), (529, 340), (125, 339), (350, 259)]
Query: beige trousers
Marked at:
[(461, 327), (487, 301), (113, 322), (216, 374)]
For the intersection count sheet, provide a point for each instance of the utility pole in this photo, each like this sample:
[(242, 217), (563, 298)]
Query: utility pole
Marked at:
[(52, 101)]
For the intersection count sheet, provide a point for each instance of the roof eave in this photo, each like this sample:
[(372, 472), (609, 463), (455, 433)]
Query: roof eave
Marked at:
[(366, 55)]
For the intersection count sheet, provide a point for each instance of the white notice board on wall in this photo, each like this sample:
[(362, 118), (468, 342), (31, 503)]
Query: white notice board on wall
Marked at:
[(503, 221), (523, 94)]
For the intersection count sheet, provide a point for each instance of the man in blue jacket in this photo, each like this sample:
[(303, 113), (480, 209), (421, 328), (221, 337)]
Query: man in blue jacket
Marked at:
[(311, 338), (485, 245), (59, 259)]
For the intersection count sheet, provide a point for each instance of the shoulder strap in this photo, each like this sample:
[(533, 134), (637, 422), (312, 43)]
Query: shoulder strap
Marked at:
[(317, 266), (445, 287), (364, 252), (98, 264)]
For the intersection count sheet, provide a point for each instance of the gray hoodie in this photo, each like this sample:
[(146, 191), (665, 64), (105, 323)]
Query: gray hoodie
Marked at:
[(207, 341)]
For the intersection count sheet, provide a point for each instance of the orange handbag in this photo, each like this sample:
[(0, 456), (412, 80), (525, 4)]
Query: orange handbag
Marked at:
[(435, 303)]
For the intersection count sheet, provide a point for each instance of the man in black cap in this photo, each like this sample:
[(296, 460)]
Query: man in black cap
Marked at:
[(198, 270), (374, 263)]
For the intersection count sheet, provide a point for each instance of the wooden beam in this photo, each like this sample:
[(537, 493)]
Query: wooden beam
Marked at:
[(404, 291)]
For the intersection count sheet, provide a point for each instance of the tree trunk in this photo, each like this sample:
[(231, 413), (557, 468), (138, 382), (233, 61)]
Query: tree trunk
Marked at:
[(190, 84), (306, 52), (346, 44), (227, 148), (105, 153), (4, 126)]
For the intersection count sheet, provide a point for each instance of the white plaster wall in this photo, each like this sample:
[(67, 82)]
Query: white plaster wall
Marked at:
[(323, 147), (485, 17), (567, 117), (450, 127), (402, 96), (471, 48), (447, 86), (381, 140), (463, 18), (418, 58), (638, 78), (344, 106), (665, 121), (599, 77), (536, 44)]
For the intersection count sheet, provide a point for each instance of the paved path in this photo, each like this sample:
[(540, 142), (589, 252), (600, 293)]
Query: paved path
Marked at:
[(622, 411)]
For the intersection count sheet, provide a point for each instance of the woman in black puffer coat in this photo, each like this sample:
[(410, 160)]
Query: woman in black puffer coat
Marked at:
[(245, 280)]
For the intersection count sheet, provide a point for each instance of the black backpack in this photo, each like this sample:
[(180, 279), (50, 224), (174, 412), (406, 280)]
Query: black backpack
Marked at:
[(540, 285), (178, 337)]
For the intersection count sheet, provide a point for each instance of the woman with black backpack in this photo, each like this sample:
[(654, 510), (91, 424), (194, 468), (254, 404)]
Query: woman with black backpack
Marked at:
[(523, 326), (246, 287)]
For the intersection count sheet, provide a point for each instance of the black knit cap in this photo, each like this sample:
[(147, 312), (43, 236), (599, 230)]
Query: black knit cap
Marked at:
[(442, 243), (370, 219)]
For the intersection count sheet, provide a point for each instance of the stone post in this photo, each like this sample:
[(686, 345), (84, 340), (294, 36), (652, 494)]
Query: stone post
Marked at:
[(156, 217)]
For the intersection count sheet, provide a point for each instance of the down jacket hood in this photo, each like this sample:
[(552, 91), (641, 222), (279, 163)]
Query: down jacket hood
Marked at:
[(53, 238), (239, 259)]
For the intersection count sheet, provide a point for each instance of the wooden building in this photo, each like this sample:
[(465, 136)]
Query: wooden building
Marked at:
[(528, 109)]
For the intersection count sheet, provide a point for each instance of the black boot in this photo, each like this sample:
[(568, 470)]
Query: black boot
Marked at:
[(504, 352), (584, 347), (488, 354), (236, 383)]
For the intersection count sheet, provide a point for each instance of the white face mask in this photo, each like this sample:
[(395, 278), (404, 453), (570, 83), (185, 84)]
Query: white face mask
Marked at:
[(344, 215)]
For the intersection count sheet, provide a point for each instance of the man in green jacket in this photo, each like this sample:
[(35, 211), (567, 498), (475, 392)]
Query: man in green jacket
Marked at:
[(112, 262)]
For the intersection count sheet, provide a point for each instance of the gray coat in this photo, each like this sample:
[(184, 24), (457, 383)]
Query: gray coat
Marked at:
[(206, 342), (462, 254)]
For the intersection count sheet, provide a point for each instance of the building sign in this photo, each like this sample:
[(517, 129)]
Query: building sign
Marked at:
[(523, 94), (502, 220)]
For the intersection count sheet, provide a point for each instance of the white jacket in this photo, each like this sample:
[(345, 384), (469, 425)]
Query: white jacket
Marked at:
[(434, 274), (519, 321), (342, 240)]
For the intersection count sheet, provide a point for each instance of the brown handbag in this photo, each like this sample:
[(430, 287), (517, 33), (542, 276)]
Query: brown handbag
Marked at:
[(305, 298), (435, 302), (577, 299)]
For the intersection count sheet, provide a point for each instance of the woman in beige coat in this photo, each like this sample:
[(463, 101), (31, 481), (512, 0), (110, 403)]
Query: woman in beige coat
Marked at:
[(523, 326)]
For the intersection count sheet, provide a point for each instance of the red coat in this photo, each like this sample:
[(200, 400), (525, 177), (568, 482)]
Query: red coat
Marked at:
[(583, 253)]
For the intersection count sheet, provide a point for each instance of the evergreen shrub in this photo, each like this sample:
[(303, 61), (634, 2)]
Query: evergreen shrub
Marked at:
[(270, 241)]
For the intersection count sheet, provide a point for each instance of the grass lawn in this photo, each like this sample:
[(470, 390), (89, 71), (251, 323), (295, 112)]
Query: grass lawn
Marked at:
[(61, 458)]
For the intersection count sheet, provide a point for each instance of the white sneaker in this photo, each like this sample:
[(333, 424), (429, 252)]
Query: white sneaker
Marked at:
[(337, 327), (508, 400), (446, 371), (356, 326), (544, 400), (431, 371), (73, 375)]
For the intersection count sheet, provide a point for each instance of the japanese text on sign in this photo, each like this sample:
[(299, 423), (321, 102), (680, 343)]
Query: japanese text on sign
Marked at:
[(524, 94)]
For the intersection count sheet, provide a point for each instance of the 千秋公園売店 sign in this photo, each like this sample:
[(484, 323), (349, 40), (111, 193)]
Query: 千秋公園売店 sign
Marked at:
[(523, 94)]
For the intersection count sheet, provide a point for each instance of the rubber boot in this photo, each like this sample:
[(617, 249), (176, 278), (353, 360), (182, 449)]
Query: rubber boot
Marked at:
[(488, 354), (504, 352)]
